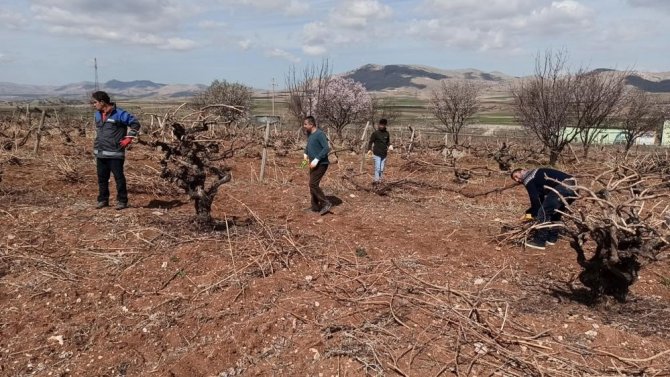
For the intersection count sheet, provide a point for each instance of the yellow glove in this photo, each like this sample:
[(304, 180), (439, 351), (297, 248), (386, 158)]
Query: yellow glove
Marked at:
[(527, 217), (303, 164), (369, 154)]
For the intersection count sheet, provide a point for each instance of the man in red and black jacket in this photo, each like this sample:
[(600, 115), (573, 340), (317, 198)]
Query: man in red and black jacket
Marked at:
[(545, 188), (115, 130)]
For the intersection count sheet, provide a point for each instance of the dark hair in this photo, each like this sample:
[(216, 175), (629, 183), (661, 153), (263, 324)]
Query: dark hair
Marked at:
[(383, 122), (310, 119), (515, 171), (101, 96)]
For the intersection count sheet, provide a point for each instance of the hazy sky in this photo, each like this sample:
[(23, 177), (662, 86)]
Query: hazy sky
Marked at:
[(252, 41)]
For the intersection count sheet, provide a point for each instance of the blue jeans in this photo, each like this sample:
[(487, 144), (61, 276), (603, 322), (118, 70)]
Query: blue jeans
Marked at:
[(379, 167), (548, 214)]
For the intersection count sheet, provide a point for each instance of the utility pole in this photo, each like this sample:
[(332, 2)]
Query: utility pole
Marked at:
[(95, 65), (273, 96)]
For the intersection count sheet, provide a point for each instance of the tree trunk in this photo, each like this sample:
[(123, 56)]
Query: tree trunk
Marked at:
[(203, 208), (586, 147), (553, 157)]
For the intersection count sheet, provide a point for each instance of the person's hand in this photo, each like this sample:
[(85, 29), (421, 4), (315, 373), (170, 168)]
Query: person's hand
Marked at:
[(126, 141), (313, 164), (369, 154), (391, 147), (527, 217), (303, 164), (305, 157)]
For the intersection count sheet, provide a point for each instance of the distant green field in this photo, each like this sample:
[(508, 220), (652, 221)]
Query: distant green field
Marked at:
[(410, 110)]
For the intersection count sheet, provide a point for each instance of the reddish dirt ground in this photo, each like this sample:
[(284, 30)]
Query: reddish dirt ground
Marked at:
[(410, 283)]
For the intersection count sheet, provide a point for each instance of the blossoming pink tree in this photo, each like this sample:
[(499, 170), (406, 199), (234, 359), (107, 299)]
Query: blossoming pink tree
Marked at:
[(345, 101)]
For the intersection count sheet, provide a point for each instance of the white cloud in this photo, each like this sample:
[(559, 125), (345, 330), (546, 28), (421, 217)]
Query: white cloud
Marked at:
[(6, 59), (653, 4), (499, 24), (211, 24), (12, 20), (279, 53), (351, 21), (358, 14), (287, 7), (244, 44), (314, 50), (144, 39), (148, 22)]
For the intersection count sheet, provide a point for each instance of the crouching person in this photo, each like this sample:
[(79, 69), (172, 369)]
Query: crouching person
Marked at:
[(545, 187)]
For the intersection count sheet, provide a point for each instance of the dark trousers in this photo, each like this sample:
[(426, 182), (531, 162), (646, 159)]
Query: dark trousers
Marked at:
[(548, 214), (318, 197), (107, 166)]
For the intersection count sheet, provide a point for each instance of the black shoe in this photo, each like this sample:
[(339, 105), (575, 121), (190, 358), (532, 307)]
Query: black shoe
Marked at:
[(326, 208), (102, 205), (121, 205), (534, 244)]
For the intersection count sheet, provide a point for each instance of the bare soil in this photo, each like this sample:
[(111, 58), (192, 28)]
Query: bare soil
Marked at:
[(411, 283)]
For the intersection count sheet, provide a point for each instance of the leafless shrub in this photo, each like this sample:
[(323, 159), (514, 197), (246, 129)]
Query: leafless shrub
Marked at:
[(620, 220), (639, 115), (307, 90), (68, 170), (595, 99), (543, 102), (236, 96), (454, 104), (192, 166)]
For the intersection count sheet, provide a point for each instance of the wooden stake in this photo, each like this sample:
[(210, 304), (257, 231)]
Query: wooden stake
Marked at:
[(38, 135), (363, 142), (265, 150)]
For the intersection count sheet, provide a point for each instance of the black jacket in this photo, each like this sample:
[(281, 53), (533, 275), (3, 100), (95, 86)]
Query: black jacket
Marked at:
[(381, 140), (108, 133), (536, 180)]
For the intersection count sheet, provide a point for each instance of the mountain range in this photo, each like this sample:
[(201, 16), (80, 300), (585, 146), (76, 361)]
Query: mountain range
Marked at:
[(80, 90), (416, 80)]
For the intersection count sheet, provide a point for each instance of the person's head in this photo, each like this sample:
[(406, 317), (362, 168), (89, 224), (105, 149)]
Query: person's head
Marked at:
[(517, 175), (382, 124), (309, 124), (100, 100)]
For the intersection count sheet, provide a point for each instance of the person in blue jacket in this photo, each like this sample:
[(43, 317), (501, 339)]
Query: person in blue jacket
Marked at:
[(316, 155), (115, 130), (545, 202)]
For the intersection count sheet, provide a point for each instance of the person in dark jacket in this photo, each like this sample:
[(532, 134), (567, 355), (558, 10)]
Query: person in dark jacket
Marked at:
[(379, 145), (115, 130), (316, 154), (545, 188)]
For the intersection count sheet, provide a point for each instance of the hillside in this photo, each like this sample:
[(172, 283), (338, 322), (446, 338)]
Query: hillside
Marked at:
[(124, 89), (394, 77)]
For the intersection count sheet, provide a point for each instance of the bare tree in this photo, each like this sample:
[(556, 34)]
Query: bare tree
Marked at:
[(454, 104), (595, 99), (543, 103), (639, 115), (237, 96), (307, 89)]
